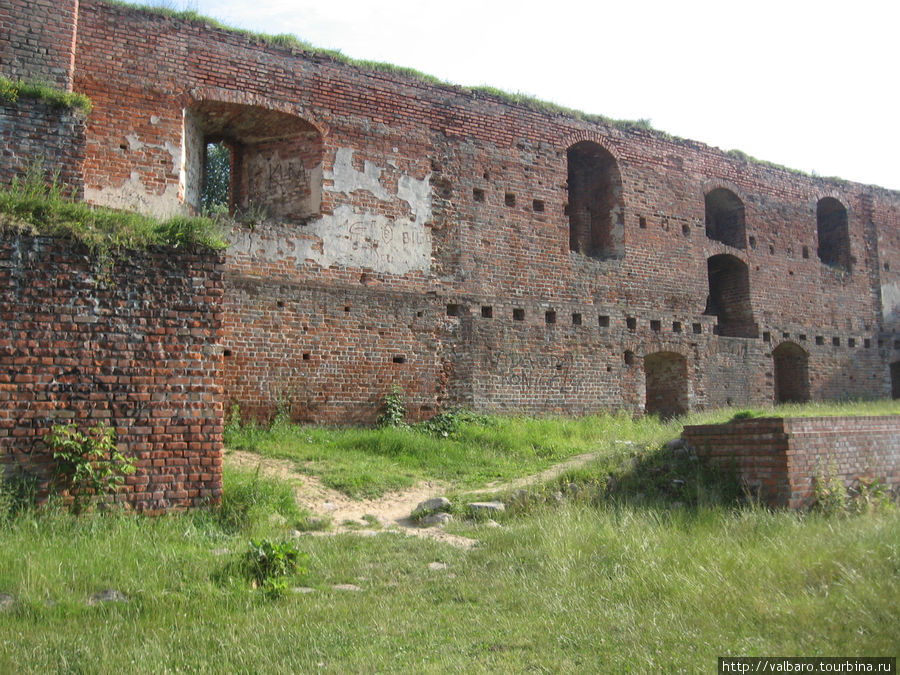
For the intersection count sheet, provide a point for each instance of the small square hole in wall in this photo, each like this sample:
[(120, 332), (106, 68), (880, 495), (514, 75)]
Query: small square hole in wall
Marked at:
[(603, 321), (550, 316), (478, 194), (655, 325), (629, 358), (576, 319), (805, 252), (771, 249), (752, 241), (510, 199), (785, 335), (487, 312), (538, 205), (226, 352), (642, 223), (453, 310), (686, 230), (802, 337), (676, 327), (820, 340), (518, 314), (280, 303), (306, 356), (851, 342), (767, 336), (399, 358), (346, 308), (887, 267), (631, 323), (867, 343), (835, 342), (697, 328)]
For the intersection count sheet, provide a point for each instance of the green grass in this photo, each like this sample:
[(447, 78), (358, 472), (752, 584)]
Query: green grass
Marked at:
[(37, 204), (12, 90), (568, 589), (368, 462)]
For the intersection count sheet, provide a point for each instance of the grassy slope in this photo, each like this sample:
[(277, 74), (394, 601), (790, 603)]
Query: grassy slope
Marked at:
[(622, 584)]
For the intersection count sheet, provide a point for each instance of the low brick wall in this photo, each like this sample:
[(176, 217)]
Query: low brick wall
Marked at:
[(778, 459), (132, 343)]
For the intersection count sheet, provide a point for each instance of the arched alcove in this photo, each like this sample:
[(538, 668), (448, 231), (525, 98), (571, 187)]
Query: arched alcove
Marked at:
[(666, 384), (596, 217), (276, 159), (833, 232), (729, 296), (725, 218), (791, 365)]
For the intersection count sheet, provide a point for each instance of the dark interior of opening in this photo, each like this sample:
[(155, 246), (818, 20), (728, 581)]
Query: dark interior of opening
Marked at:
[(729, 297), (666, 384), (791, 373), (725, 218), (895, 379), (833, 233), (596, 218)]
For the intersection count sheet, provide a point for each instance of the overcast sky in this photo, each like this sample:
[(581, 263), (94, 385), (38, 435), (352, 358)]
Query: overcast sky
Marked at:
[(810, 85)]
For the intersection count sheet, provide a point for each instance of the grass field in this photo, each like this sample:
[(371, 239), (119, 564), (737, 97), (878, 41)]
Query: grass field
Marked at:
[(623, 583)]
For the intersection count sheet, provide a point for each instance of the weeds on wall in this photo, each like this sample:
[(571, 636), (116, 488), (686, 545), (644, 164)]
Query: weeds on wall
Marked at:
[(88, 464), (36, 203), (12, 90)]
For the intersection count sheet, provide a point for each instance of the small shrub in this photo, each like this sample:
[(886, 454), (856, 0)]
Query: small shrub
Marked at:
[(267, 564), (87, 464), (394, 414), (249, 499), (831, 496)]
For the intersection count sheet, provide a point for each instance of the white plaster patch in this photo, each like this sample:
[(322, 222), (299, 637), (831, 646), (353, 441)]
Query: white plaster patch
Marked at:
[(347, 179), (132, 196)]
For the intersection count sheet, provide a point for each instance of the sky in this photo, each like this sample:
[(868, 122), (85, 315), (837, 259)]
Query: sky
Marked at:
[(809, 85)]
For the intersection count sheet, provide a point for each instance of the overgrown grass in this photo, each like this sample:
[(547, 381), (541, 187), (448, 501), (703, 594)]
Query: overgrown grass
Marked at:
[(477, 450), (37, 204), (12, 90), (566, 589)]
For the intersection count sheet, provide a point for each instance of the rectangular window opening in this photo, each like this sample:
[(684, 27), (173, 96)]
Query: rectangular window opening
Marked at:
[(576, 319), (550, 316), (510, 199), (603, 321), (538, 205), (697, 328), (631, 323), (655, 325), (487, 312), (676, 326), (399, 358), (518, 314), (453, 310), (478, 194)]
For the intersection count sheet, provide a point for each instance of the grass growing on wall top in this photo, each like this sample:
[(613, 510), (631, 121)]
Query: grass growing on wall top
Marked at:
[(12, 90), (35, 205)]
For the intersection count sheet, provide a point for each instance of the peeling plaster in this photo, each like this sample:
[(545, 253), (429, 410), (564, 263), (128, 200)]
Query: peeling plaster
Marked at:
[(132, 196), (349, 238), (890, 303)]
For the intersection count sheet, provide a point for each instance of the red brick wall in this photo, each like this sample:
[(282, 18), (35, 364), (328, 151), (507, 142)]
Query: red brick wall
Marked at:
[(778, 460), (32, 131), (37, 40), (492, 231), (133, 343)]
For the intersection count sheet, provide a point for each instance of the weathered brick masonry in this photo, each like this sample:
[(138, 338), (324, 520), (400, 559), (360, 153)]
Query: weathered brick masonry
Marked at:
[(779, 460), (132, 342), (475, 251)]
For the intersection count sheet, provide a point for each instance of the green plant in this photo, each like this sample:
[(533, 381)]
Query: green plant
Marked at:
[(87, 464), (267, 563), (831, 496), (10, 91), (394, 414)]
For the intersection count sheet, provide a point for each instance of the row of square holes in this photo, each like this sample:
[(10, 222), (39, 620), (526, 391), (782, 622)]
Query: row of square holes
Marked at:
[(518, 314), (487, 312), (537, 205)]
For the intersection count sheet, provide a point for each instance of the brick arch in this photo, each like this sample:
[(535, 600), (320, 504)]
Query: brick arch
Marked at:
[(568, 140), (729, 296), (198, 95), (791, 368), (276, 154), (833, 232), (595, 203), (666, 392)]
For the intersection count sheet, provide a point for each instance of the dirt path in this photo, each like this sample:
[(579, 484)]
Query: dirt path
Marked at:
[(391, 511)]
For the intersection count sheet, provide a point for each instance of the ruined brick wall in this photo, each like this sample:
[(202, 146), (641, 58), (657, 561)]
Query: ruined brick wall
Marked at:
[(779, 460), (37, 40), (477, 271), (32, 131), (132, 342)]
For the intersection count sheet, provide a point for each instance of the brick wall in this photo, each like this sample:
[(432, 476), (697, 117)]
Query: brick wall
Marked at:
[(133, 343), (37, 40), (780, 459), (32, 131), (408, 197)]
